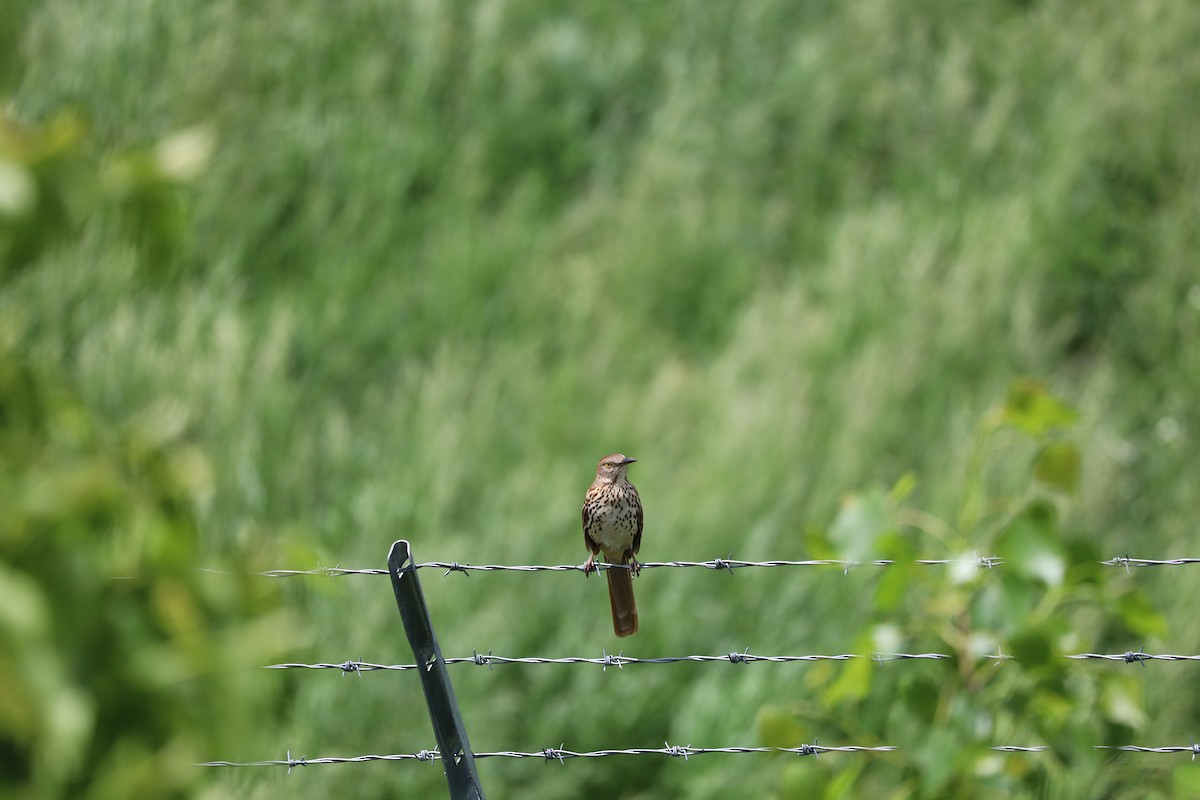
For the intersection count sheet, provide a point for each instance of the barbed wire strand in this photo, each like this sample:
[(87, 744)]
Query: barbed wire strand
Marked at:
[(1126, 562), (620, 660), (610, 660), (1193, 748), (1012, 748), (1132, 657), (560, 754), (729, 564)]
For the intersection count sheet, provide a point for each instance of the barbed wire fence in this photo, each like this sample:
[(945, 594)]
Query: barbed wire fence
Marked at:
[(671, 751), (447, 723), (729, 564), (619, 661)]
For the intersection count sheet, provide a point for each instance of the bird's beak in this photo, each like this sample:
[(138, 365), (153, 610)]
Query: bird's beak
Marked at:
[(628, 460)]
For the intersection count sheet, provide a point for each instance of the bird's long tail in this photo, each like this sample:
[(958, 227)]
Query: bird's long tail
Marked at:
[(620, 596)]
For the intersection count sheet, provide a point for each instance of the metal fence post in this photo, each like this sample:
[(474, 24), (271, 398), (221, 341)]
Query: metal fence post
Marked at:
[(457, 758)]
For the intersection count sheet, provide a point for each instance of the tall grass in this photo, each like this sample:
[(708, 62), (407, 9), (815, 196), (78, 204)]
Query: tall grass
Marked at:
[(445, 256)]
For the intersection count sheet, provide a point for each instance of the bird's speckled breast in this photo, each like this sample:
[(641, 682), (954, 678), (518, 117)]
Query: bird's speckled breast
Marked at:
[(612, 523)]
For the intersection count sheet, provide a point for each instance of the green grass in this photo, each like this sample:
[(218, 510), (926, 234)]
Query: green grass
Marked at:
[(445, 256)]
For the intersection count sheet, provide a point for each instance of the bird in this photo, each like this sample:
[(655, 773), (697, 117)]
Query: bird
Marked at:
[(612, 524)]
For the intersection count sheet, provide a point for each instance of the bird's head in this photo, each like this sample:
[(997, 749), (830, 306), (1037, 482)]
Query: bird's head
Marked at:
[(612, 468)]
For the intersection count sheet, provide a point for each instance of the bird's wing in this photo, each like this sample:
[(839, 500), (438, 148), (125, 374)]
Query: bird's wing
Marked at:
[(637, 537), (588, 541)]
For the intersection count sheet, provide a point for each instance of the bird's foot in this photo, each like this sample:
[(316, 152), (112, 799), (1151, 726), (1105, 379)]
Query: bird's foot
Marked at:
[(589, 566), (635, 566)]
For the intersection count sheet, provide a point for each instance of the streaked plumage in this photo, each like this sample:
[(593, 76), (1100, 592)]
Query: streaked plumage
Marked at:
[(612, 524)]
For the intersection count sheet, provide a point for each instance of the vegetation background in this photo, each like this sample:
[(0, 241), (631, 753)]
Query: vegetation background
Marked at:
[(283, 282)]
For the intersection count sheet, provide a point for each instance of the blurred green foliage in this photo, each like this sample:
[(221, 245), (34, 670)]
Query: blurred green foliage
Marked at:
[(410, 269), (1008, 633), (122, 663), (51, 182)]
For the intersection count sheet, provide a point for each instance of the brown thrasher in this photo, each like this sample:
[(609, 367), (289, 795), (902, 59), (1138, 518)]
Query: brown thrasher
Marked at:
[(612, 523)]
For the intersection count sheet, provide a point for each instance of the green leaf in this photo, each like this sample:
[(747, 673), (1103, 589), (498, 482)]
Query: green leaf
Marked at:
[(937, 759), (921, 694), (1031, 409), (804, 778), (853, 678), (1141, 617), (843, 783), (818, 543), (894, 581), (902, 488), (1057, 466), (1017, 597), (1031, 547), (1033, 649), (778, 728), (853, 682), (1121, 699), (892, 587), (862, 519), (1085, 556)]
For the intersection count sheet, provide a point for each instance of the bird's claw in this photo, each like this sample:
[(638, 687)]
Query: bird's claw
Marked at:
[(635, 566), (589, 566)]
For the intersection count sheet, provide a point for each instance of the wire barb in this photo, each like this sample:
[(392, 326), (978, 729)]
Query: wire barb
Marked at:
[(302, 762), (677, 752), (721, 563), (610, 661), (1139, 657)]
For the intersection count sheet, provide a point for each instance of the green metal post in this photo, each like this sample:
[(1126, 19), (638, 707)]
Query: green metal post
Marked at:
[(457, 758)]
